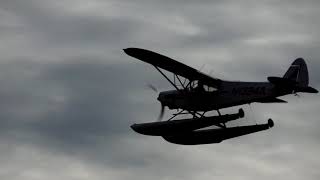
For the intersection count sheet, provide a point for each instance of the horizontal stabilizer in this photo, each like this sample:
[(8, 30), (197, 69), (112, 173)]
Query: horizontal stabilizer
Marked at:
[(293, 85), (272, 100), (307, 89)]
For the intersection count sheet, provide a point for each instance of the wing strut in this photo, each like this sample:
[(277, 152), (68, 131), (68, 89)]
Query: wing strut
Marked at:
[(177, 77), (167, 79)]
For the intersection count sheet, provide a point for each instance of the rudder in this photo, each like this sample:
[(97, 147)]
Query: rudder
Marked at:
[(298, 72)]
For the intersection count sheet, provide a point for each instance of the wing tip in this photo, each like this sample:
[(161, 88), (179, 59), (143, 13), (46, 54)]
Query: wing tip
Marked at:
[(129, 51)]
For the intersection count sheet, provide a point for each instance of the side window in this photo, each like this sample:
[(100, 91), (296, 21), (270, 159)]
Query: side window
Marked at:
[(212, 89), (209, 89), (195, 83), (206, 88)]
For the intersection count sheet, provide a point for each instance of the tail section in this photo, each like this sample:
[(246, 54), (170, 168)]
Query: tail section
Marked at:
[(296, 78), (298, 72)]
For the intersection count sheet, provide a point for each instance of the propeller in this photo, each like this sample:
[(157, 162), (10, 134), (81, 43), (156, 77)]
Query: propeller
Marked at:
[(162, 110)]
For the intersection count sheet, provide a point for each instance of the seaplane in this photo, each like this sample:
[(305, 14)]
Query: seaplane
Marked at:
[(195, 94)]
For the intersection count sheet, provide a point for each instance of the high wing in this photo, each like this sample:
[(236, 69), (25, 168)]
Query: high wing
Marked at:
[(171, 65)]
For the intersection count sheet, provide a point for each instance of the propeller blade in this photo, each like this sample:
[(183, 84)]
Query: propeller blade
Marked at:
[(161, 112), (152, 87)]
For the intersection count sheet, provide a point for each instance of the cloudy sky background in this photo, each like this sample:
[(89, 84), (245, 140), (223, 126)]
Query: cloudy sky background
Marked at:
[(69, 93)]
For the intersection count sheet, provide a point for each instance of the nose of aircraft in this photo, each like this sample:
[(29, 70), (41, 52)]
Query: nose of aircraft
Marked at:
[(162, 98), (159, 98)]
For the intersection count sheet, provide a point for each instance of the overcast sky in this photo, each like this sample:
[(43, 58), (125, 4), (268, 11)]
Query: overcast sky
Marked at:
[(69, 93)]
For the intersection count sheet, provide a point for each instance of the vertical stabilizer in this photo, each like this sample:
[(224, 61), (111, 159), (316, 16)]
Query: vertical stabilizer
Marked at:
[(298, 72)]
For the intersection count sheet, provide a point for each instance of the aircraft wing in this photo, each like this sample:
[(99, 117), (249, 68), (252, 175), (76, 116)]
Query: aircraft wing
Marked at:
[(171, 65)]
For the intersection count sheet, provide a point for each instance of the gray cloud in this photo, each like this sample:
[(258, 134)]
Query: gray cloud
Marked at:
[(69, 93)]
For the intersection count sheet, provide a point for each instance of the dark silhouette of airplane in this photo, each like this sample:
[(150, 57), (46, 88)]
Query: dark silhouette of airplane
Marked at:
[(197, 93)]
